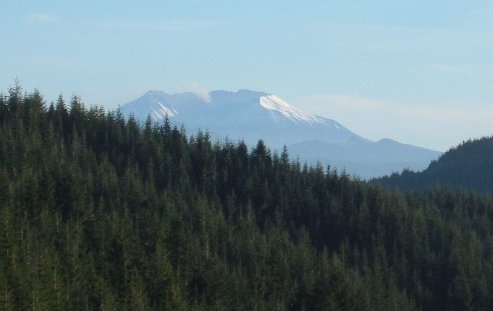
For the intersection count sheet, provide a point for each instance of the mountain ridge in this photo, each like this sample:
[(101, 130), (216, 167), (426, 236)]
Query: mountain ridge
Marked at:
[(251, 115), (466, 166)]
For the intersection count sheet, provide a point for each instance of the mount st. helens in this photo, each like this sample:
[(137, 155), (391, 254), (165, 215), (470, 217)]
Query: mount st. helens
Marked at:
[(250, 116)]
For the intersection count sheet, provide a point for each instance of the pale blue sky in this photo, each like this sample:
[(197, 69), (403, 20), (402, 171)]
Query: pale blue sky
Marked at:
[(420, 72)]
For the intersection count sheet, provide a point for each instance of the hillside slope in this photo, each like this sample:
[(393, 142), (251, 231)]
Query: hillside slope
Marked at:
[(467, 166), (98, 213)]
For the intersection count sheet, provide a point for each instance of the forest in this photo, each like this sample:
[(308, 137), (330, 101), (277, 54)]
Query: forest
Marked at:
[(98, 212)]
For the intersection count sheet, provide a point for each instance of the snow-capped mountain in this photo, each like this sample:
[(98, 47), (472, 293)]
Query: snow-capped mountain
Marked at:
[(249, 116)]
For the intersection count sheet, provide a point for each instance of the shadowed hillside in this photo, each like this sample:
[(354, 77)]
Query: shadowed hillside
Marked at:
[(468, 166)]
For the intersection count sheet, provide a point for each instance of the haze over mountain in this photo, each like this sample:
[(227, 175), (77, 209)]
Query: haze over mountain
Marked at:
[(250, 115)]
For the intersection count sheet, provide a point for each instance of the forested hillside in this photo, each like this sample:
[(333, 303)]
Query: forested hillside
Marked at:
[(467, 166), (101, 213)]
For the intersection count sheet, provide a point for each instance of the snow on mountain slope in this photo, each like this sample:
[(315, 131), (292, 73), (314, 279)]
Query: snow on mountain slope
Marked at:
[(249, 116), (273, 102), (244, 114)]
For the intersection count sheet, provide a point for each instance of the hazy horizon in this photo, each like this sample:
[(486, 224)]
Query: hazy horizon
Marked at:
[(415, 72)]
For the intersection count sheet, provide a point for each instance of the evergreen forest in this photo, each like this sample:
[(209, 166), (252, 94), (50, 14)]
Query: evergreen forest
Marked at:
[(98, 212)]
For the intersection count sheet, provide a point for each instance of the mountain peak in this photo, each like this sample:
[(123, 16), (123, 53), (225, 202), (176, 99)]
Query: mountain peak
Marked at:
[(240, 96), (250, 92), (250, 115), (154, 93), (252, 111)]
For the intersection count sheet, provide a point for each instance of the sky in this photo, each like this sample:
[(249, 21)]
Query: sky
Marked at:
[(419, 72)]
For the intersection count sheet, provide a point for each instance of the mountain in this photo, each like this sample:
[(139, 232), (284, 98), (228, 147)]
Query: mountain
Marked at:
[(249, 116), (467, 166), (244, 115), (366, 159)]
